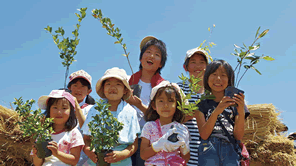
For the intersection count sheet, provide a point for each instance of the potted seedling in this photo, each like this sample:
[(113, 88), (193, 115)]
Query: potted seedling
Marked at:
[(104, 130), (244, 54), (115, 32), (66, 45), (35, 125)]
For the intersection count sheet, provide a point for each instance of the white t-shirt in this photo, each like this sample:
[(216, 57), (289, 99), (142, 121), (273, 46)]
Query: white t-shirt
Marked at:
[(145, 97), (66, 141)]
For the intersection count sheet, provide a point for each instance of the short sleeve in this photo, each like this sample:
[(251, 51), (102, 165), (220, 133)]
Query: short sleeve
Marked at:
[(76, 138), (147, 130), (85, 129)]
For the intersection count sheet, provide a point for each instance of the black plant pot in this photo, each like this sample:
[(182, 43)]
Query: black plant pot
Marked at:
[(230, 91), (173, 137), (101, 155), (137, 90), (42, 150)]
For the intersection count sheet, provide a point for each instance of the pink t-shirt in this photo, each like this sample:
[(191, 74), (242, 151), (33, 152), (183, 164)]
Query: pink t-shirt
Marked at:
[(150, 132), (66, 140)]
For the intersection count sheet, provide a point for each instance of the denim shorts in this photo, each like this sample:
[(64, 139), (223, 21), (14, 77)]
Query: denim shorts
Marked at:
[(217, 152)]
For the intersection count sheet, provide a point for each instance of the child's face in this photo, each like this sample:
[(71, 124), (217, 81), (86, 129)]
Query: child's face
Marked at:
[(151, 59), (165, 106), (218, 81), (114, 89), (60, 111), (196, 65), (79, 91)]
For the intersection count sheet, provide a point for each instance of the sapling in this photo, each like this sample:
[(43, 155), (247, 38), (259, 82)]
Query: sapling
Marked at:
[(245, 53), (34, 125), (66, 45), (104, 130), (115, 32)]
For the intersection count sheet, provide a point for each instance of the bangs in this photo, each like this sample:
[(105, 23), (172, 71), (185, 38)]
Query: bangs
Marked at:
[(169, 92)]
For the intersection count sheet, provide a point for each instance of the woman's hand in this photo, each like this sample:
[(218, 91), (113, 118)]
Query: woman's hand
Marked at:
[(113, 157), (224, 103), (240, 101), (53, 146)]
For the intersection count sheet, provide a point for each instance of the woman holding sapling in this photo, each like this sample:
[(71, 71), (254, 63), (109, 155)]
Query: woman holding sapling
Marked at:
[(113, 87), (195, 64), (152, 59), (67, 141), (215, 147)]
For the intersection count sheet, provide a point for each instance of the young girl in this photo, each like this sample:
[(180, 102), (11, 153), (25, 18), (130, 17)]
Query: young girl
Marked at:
[(67, 140), (161, 115), (113, 87), (215, 147), (195, 64), (153, 57)]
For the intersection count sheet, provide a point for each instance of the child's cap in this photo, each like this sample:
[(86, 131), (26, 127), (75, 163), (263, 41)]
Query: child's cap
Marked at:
[(80, 74), (42, 101), (145, 40), (189, 53), (165, 84), (115, 72)]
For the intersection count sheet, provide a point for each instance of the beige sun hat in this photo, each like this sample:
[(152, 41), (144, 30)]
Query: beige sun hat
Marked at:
[(145, 40), (114, 72), (190, 52), (165, 84)]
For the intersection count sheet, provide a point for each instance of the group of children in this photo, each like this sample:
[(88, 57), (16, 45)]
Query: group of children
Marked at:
[(150, 120)]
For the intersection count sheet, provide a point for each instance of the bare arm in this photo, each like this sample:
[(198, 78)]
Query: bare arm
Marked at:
[(134, 100), (186, 157), (146, 150), (36, 161), (79, 114), (239, 125), (116, 156)]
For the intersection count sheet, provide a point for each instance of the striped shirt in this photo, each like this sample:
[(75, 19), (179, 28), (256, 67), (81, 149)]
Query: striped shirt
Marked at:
[(192, 127)]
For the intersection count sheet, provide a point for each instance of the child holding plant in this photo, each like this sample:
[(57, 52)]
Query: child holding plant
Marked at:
[(67, 141), (215, 147), (113, 87), (195, 63), (152, 59), (163, 119)]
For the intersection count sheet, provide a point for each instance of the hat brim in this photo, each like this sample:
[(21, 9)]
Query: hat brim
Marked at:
[(80, 77), (145, 40), (200, 53), (99, 86)]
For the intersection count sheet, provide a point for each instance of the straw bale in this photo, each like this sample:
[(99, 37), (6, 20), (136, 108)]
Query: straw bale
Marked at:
[(263, 120)]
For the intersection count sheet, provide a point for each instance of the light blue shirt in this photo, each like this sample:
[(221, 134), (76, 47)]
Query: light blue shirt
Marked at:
[(125, 114)]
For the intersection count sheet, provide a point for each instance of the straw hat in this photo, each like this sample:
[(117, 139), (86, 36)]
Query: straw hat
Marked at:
[(145, 40)]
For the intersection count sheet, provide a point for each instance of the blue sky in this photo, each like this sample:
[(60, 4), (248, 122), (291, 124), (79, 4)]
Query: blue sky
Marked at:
[(30, 65)]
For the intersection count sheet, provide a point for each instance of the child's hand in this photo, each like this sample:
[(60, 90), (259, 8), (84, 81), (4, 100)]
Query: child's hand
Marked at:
[(92, 155), (76, 104), (240, 101), (134, 100), (223, 104), (34, 151), (113, 157), (53, 146)]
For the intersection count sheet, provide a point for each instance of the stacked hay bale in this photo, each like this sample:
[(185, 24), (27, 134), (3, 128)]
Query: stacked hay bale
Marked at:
[(263, 139), (14, 149)]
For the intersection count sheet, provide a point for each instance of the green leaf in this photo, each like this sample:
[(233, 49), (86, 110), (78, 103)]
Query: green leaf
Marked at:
[(117, 42), (237, 46), (256, 70), (268, 58), (257, 32), (263, 33), (77, 15), (246, 66)]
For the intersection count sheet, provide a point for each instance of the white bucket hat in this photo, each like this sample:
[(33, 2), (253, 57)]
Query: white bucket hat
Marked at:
[(115, 72), (165, 84), (42, 101), (190, 52)]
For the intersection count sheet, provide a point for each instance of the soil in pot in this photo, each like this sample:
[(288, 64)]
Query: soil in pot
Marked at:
[(137, 90), (101, 155), (173, 137), (42, 150), (230, 91)]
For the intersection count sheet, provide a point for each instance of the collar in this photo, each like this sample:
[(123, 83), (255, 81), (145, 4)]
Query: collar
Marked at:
[(83, 102), (155, 80), (119, 107)]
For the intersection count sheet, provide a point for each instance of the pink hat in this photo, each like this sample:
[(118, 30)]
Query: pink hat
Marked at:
[(42, 101), (80, 74)]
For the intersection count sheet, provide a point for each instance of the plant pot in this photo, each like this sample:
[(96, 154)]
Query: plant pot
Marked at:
[(101, 155), (42, 150), (173, 137), (230, 91), (137, 90)]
